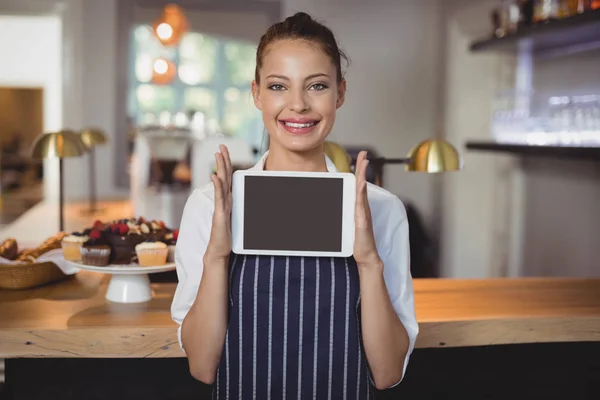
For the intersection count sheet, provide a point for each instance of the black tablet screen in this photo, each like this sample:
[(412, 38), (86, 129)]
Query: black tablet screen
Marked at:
[(293, 213)]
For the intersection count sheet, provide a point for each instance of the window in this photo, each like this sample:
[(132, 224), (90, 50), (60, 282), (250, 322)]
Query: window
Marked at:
[(214, 75)]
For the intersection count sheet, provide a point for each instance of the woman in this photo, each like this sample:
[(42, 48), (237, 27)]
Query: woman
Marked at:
[(261, 327)]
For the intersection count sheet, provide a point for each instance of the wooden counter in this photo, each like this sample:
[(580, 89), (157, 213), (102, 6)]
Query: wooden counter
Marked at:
[(72, 318)]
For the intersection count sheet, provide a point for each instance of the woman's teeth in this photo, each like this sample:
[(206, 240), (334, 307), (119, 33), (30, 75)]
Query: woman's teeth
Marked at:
[(296, 125)]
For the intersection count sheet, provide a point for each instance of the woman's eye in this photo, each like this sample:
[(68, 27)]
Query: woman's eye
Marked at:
[(276, 87), (318, 86)]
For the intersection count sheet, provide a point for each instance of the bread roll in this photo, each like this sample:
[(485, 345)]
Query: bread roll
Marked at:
[(51, 243), (9, 249)]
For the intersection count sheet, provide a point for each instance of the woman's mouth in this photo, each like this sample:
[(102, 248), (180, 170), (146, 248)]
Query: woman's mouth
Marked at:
[(298, 126)]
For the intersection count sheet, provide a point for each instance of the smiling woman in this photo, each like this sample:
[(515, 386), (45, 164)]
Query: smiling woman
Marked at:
[(260, 326)]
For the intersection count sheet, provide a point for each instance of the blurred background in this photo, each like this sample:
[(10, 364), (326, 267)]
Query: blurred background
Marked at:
[(514, 85)]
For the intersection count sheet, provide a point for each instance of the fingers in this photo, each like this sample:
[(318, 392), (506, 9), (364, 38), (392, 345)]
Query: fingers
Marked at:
[(221, 169), (362, 201), (228, 166), (221, 181), (360, 173), (218, 191), (365, 192)]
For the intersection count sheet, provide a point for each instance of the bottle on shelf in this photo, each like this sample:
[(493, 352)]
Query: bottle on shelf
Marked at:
[(583, 6), (543, 10), (568, 8), (513, 16), (526, 13), (555, 9), (500, 20)]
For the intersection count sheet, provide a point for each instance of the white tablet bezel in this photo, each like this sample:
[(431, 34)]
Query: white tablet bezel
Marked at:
[(348, 206)]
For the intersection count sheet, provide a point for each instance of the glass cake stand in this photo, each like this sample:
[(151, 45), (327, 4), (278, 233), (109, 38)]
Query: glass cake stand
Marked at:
[(129, 283)]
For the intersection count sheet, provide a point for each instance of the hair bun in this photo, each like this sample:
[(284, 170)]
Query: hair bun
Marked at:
[(301, 26), (301, 20), (301, 17)]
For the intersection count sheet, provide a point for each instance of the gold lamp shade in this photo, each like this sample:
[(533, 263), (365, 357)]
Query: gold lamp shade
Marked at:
[(433, 156), (338, 156), (92, 137), (60, 144)]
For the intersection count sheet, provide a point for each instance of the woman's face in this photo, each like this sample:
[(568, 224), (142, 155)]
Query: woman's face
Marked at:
[(298, 94)]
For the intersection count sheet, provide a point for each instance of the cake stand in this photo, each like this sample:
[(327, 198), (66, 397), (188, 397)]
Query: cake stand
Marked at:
[(129, 283)]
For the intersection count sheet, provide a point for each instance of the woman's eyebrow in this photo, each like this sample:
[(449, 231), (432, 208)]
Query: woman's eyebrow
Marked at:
[(317, 75), (283, 77)]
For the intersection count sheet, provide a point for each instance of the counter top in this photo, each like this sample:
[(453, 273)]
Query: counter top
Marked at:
[(72, 318)]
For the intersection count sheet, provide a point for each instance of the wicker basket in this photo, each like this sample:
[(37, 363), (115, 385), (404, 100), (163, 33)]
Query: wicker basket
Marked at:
[(26, 276)]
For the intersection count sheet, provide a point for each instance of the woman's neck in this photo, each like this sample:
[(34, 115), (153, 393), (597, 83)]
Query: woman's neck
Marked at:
[(280, 159)]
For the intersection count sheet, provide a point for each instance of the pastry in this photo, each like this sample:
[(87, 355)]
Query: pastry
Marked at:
[(71, 246), (95, 254), (9, 249), (50, 244), (95, 251), (151, 253)]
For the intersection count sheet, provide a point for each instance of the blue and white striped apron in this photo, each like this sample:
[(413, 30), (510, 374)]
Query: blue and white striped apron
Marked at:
[(294, 331)]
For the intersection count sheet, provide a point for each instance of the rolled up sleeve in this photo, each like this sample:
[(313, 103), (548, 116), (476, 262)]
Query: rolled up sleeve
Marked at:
[(194, 233), (398, 279)]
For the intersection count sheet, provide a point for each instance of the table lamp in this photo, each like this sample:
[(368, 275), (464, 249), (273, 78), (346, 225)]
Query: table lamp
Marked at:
[(59, 145), (430, 156), (92, 137)]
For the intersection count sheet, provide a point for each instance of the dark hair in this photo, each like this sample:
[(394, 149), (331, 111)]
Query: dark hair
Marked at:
[(302, 26)]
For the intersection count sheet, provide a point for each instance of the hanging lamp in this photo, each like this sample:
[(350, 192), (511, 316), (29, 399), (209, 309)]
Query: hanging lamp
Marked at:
[(171, 25), (163, 71)]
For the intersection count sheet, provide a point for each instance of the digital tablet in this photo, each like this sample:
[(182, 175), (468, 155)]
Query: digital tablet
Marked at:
[(293, 213)]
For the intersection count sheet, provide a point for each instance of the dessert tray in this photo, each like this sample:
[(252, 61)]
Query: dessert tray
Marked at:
[(129, 283)]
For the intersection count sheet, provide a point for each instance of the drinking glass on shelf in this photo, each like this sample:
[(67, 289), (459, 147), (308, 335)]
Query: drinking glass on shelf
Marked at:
[(181, 120), (164, 118)]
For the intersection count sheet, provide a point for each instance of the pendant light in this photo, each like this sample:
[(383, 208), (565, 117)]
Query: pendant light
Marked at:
[(163, 71), (171, 25)]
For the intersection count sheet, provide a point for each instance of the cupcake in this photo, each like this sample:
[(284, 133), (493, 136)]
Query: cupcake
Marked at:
[(71, 246), (151, 254), (170, 239), (95, 251)]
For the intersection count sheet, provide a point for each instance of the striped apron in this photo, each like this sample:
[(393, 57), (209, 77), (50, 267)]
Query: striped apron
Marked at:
[(294, 331)]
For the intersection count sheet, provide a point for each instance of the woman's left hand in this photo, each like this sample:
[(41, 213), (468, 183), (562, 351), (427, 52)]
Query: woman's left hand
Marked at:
[(365, 249)]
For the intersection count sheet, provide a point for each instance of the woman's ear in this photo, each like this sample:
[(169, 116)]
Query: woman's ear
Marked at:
[(256, 95), (341, 95)]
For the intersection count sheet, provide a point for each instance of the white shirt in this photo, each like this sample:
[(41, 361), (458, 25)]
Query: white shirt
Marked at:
[(390, 226)]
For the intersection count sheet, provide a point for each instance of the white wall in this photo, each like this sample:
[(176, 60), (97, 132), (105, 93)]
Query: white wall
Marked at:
[(562, 224), (91, 82), (486, 232), (393, 85), (31, 48), (75, 52), (469, 196)]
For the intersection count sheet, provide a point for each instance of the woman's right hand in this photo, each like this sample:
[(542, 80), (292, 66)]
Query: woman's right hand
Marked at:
[(219, 245)]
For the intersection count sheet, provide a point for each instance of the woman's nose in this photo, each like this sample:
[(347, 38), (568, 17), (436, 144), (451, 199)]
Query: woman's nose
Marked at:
[(298, 102)]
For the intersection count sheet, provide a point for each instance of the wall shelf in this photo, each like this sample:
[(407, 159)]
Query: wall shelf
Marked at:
[(579, 153), (570, 35)]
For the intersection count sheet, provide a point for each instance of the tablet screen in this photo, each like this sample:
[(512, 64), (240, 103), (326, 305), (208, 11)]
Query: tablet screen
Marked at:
[(293, 213)]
